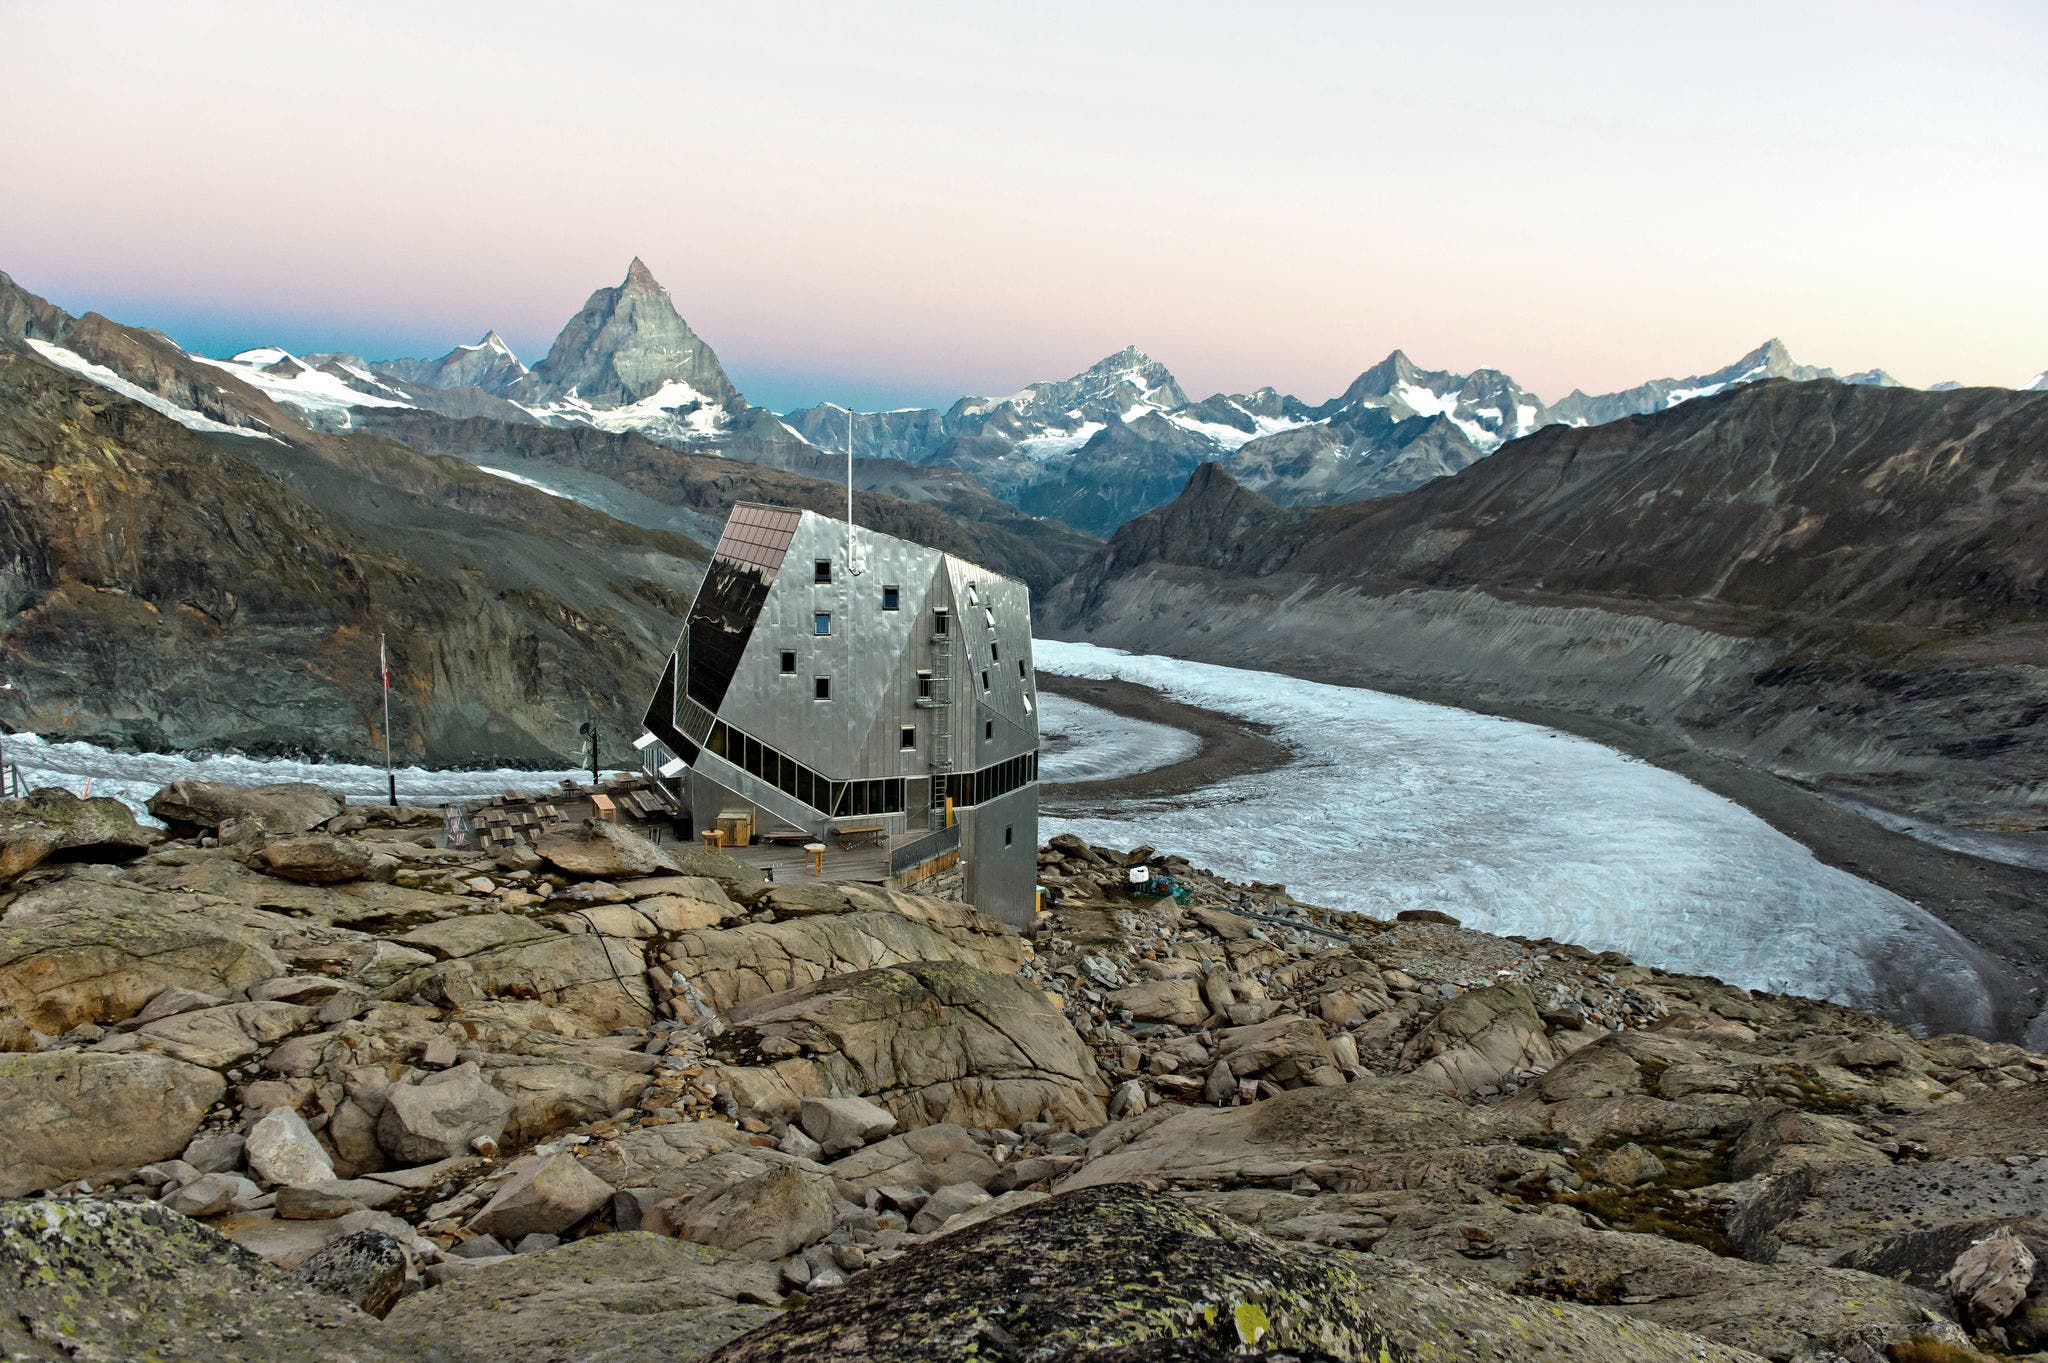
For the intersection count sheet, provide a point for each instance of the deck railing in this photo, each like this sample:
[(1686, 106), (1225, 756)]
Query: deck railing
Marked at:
[(924, 849)]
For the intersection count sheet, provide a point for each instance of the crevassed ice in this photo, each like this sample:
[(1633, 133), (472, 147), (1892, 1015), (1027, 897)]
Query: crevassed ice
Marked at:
[(1083, 742), (134, 777), (1395, 804)]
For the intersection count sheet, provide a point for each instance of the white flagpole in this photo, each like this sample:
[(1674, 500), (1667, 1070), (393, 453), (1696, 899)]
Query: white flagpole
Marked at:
[(384, 675)]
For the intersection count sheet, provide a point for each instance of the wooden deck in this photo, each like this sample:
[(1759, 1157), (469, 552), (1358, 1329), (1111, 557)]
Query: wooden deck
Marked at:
[(790, 864)]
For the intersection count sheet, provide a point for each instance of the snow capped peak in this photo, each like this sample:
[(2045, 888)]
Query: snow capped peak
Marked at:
[(625, 346), (2038, 384), (494, 342)]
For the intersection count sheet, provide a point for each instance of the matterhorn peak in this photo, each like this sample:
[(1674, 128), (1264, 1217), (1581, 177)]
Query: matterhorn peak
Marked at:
[(640, 278), (629, 344)]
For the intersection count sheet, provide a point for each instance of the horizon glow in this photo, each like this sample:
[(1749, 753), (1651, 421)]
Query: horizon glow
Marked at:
[(900, 204)]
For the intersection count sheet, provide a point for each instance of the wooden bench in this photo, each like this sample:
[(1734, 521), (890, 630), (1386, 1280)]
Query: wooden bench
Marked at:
[(797, 836), (862, 835)]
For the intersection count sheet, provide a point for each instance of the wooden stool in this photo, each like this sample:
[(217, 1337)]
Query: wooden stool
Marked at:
[(815, 852), (714, 840)]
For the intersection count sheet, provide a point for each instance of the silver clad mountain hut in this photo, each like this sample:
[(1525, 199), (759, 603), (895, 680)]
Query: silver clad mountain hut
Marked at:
[(861, 701)]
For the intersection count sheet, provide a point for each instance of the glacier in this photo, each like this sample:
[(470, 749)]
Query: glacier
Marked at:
[(133, 777), (1082, 742), (1394, 804)]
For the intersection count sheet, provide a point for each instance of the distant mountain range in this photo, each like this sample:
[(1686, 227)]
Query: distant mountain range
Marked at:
[(1844, 584), (198, 552), (1089, 452), (1122, 436)]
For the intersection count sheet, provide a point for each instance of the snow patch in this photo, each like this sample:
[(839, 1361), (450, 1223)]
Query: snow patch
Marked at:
[(313, 389), (525, 481), (108, 379), (1051, 446), (655, 411), (1425, 401)]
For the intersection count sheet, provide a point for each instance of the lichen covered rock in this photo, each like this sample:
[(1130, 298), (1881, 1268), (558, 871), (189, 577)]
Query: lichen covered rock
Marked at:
[(111, 1282), (1122, 1272), (55, 824)]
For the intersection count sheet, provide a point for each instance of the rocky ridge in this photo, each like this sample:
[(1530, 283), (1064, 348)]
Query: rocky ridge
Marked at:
[(603, 1098), (1122, 437)]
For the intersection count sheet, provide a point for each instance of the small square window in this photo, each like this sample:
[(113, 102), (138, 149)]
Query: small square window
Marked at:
[(984, 679), (821, 623), (938, 622), (821, 688), (924, 685), (1009, 834), (1022, 673), (821, 570), (995, 652), (988, 728), (788, 661), (907, 737), (892, 598)]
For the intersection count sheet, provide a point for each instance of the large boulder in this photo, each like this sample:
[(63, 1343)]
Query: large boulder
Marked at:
[(104, 959), (611, 1298), (732, 966), (930, 1157), (366, 1268), (441, 1116), (73, 1114), (602, 980), (111, 1282), (549, 1195), (220, 1036), (1124, 1273), (1176, 1001), (602, 851), (1391, 1134), (54, 824), (842, 1124), (1482, 1038), (283, 1150), (315, 859), (769, 1216), (1773, 1311), (191, 808), (931, 1041), (1286, 1050)]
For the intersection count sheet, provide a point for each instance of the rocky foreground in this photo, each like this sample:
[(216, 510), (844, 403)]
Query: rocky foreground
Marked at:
[(287, 1081)]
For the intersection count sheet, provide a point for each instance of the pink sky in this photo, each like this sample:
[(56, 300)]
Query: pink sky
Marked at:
[(902, 203)]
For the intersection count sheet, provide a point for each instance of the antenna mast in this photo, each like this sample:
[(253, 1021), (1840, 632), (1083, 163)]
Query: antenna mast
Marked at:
[(853, 563)]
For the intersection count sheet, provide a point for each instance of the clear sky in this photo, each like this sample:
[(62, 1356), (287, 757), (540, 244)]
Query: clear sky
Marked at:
[(900, 203)]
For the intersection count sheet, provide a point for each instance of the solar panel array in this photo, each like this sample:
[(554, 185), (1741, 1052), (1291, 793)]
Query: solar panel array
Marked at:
[(758, 535)]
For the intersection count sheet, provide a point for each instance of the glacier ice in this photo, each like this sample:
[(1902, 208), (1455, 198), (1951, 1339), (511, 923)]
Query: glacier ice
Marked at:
[(1083, 742), (1394, 804), (134, 777)]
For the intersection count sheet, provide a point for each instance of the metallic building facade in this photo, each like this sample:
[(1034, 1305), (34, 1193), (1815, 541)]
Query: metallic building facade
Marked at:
[(847, 683)]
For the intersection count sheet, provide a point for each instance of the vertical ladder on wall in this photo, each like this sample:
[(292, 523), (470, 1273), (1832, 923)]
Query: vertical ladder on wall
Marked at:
[(942, 701)]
